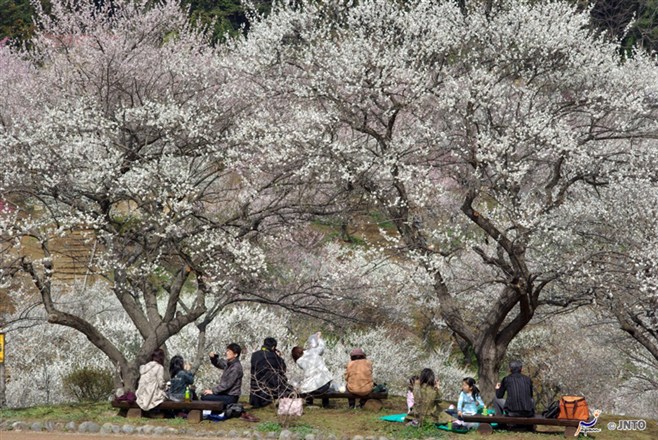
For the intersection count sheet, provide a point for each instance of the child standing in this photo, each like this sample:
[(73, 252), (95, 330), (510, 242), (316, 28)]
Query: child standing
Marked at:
[(469, 398), (410, 393)]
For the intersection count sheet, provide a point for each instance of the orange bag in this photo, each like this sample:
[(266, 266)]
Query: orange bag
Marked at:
[(573, 407)]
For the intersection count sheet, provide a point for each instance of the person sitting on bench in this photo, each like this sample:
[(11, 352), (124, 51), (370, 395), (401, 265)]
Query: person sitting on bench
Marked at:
[(469, 401), (230, 384), (518, 387), (359, 377), (268, 375), (181, 379), (151, 390), (317, 378)]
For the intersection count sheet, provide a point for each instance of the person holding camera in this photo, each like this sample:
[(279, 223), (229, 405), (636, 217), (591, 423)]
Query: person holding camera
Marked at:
[(230, 384), (181, 378)]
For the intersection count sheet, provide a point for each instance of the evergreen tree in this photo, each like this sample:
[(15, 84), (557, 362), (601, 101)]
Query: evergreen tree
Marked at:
[(15, 19)]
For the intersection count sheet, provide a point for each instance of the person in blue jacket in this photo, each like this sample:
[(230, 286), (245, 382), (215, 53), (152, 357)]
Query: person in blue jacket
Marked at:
[(469, 399)]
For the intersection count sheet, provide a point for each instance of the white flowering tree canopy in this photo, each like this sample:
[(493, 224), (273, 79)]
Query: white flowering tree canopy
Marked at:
[(120, 127), (479, 133), (484, 136)]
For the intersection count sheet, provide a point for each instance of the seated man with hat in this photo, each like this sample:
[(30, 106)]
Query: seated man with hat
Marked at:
[(359, 376)]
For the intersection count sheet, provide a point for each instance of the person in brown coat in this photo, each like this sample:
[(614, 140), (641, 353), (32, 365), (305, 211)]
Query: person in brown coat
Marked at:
[(359, 376)]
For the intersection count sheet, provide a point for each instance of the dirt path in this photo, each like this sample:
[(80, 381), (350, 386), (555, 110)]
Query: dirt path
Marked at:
[(28, 435)]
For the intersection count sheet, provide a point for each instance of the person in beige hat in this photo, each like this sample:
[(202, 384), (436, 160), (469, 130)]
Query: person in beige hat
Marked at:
[(359, 376)]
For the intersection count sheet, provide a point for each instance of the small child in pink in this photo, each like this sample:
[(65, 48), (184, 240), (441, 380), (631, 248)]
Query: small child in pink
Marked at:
[(410, 393)]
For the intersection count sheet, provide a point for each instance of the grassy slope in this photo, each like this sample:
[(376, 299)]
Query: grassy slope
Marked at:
[(338, 420)]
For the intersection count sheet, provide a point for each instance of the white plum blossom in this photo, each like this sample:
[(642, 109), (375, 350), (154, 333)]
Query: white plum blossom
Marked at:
[(134, 150), (480, 134), (460, 172)]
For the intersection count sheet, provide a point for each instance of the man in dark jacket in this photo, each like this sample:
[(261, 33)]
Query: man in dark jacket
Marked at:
[(268, 375), (228, 390), (519, 401)]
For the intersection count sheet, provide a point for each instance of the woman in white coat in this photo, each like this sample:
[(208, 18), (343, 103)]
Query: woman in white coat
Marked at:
[(317, 378), (151, 390)]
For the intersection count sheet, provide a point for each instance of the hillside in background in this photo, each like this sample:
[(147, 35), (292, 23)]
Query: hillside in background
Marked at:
[(229, 16)]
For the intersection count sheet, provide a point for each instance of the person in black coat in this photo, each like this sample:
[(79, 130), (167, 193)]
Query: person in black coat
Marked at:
[(519, 402), (268, 375), (230, 384)]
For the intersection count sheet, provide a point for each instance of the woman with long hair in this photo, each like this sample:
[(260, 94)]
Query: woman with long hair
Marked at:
[(427, 399), (151, 390), (181, 378)]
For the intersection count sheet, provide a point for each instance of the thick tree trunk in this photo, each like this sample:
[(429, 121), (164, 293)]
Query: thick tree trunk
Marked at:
[(489, 357), (130, 375), (505, 316), (155, 334)]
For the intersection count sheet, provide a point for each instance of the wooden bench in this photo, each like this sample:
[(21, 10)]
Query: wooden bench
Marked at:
[(570, 425), (374, 401), (195, 408)]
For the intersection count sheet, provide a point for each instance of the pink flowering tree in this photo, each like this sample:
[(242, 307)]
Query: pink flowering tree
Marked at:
[(479, 133)]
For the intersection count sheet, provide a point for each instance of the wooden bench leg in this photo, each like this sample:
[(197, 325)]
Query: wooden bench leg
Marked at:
[(134, 413), (485, 429), (195, 416), (570, 431), (123, 412), (373, 405)]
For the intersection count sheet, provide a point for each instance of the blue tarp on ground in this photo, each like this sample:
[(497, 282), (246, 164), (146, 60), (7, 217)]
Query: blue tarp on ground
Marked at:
[(394, 418)]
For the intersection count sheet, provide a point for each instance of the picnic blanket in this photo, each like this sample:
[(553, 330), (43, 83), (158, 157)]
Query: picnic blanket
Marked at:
[(399, 418), (452, 427)]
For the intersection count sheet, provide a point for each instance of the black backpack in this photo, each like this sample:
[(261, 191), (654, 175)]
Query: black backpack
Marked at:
[(552, 410), (233, 410)]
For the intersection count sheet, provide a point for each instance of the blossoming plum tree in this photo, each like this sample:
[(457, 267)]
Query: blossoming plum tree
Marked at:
[(622, 276), (126, 140), (489, 138), (479, 133)]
